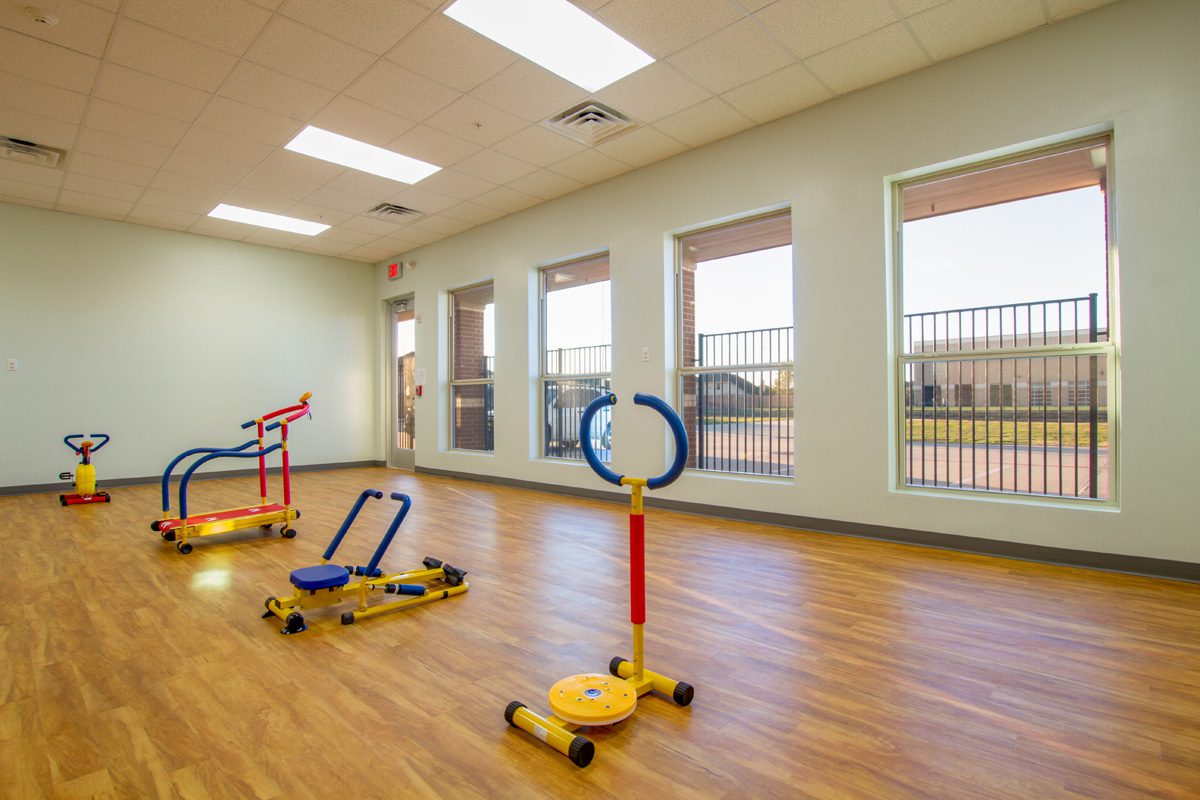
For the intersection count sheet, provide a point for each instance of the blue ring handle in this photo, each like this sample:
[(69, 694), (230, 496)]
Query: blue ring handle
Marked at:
[(659, 405)]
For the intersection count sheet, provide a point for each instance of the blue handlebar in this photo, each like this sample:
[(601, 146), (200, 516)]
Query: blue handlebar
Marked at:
[(405, 504), (659, 405), (249, 424), (78, 450), (341, 534)]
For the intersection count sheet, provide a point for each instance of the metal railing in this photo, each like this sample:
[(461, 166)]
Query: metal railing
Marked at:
[(1009, 398), (563, 403), (589, 360)]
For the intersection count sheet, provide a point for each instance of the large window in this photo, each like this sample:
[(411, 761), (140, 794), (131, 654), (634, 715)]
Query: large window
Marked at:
[(576, 355), (1005, 354), (472, 368), (735, 346)]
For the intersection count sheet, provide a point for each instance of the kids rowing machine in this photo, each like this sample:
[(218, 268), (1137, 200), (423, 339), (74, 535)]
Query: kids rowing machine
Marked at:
[(85, 472), (590, 699), (328, 584)]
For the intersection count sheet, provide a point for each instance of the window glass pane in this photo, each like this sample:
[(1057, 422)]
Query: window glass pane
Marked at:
[(564, 402), (474, 333), (473, 411), (578, 323), (736, 327)]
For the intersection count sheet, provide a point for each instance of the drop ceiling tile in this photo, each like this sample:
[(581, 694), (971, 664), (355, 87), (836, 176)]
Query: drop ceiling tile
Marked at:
[(792, 21), (545, 184), (494, 167), (419, 237), (442, 225), (270, 181), (40, 98), (878, 56), (475, 121), (88, 164), (101, 187), (327, 216), (30, 173), (93, 205), (81, 27), (270, 5), (964, 25), (138, 90), (400, 91), (472, 213), (776, 95), (165, 55), (711, 120), (365, 184), (286, 165), (121, 148), (274, 91), (223, 228), (736, 55), (21, 192), (423, 200), (324, 247), (363, 224), (589, 167), (1061, 9), (205, 165), (361, 121), (328, 197), (190, 185), (228, 25), (241, 152), (433, 146), (507, 200), (539, 146), (273, 238), (36, 128), (654, 92), (260, 201), (528, 91), (107, 5), (351, 237), (161, 217), (665, 26), (256, 124), (293, 49), (910, 7), (368, 254), (641, 146), (373, 25), (395, 244), (178, 202), (475, 58), (135, 123), (456, 184), (32, 58)]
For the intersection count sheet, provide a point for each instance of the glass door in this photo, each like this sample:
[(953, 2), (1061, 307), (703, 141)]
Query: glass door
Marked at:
[(404, 394)]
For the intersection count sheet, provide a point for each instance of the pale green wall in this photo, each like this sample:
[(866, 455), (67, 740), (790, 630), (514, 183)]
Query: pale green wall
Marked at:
[(1133, 65), (168, 341)]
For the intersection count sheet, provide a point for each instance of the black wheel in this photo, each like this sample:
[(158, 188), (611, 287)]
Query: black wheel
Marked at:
[(293, 624), (264, 527), (614, 666), (154, 525), (582, 751), (168, 536), (684, 692), (184, 548), (288, 533), (512, 709), (267, 605), (62, 499), (347, 617)]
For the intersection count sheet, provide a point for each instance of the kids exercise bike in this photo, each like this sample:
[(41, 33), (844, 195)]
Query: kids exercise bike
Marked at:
[(590, 699), (85, 473)]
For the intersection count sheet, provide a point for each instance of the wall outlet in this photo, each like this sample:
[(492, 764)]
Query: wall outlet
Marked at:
[(12, 365), (645, 353)]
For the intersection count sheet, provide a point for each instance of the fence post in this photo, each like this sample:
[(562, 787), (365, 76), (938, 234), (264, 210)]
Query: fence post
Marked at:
[(1093, 410)]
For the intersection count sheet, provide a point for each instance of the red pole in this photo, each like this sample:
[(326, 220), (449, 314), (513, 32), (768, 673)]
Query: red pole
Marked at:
[(637, 569), (287, 475), (262, 465)]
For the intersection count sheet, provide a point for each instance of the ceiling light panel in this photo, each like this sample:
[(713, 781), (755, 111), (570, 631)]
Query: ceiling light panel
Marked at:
[(338, 149), (555, 34), (264, 219)]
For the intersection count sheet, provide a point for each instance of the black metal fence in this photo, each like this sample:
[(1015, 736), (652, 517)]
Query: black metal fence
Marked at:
[(589, 360)]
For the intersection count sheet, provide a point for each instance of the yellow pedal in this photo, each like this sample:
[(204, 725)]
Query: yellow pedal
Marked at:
[(591, 699)]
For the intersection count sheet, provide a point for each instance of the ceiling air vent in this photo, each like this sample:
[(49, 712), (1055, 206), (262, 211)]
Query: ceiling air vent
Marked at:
[(30, 152), (590, 123), (392, 212)]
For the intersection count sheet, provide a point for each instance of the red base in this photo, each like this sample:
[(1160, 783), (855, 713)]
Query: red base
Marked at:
[(165, 525), (81, 499)]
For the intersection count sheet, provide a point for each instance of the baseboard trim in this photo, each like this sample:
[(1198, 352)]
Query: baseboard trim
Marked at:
[(1107, 562), (61, 486)]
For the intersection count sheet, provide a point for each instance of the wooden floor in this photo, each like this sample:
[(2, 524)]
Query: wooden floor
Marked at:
[(824, 666)]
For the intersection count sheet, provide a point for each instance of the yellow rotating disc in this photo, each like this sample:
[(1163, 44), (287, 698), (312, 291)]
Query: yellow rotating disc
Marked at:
[(592, 699)]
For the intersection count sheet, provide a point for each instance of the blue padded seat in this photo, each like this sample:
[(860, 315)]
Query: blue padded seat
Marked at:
[(323, 576)]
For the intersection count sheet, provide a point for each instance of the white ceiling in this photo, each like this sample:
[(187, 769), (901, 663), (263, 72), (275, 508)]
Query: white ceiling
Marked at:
[(168, 107)]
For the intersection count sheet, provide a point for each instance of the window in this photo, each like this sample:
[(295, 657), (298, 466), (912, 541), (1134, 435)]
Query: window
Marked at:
[(472, 368), (576, 355), (1003, 280), (735, 346)]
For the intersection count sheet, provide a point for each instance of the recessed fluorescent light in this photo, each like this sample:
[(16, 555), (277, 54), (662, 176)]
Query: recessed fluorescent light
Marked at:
[(329, 146), (267, 220), (556, 35)]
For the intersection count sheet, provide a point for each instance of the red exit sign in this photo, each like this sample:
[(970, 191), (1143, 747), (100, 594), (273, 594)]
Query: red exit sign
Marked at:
[(393, 272)]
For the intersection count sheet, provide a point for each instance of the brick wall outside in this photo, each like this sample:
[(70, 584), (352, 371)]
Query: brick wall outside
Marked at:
[(688, 355), (470, 406)]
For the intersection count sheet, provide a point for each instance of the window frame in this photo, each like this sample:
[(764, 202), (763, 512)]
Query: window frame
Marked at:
[(1109, 349), (683, 370), (452, 381), (543, 351)]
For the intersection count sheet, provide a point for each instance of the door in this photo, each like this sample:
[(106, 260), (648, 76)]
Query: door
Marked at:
[(403, 394)]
